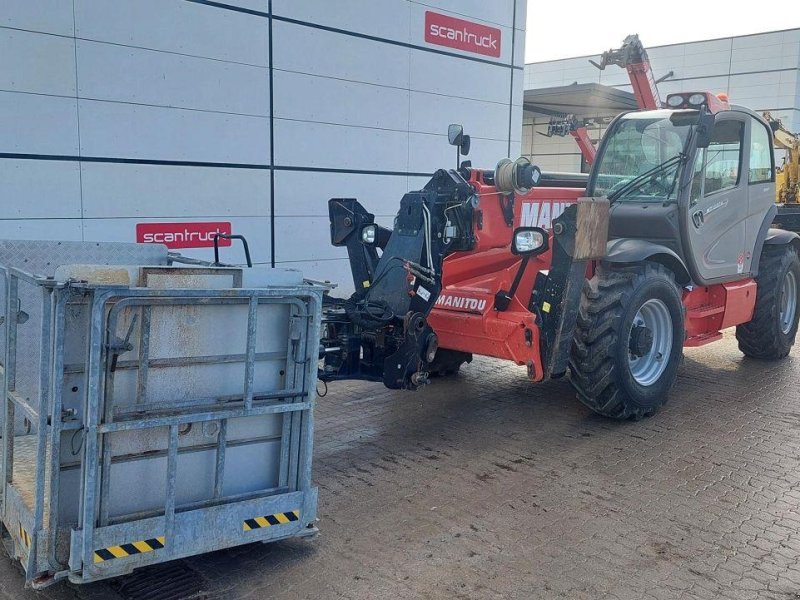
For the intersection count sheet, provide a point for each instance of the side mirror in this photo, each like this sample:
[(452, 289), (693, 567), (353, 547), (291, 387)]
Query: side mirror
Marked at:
[(705, 127), (529, 241), (455, 133), (465, 141)]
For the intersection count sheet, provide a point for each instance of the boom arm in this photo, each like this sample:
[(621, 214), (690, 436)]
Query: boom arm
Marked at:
[(633, 58), (783, 137), (581, 135), (569, 125), (787, 181)]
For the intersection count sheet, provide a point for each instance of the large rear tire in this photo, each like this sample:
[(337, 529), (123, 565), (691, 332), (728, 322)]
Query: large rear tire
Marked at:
[(628, 340), (770, 334)]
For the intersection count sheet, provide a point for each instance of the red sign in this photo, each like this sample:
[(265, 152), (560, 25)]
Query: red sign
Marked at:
[(182, 235), (462, 35)]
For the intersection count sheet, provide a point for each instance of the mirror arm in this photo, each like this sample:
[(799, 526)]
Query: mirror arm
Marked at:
[(502, 299)]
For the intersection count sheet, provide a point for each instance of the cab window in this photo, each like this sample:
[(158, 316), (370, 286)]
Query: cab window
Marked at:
[(761, 170), (718, 167)]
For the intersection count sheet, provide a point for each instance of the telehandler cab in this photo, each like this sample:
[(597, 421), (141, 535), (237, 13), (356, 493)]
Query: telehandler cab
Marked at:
[(668, 243)]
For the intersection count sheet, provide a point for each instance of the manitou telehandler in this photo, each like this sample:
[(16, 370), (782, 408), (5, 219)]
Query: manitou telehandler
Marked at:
[(669, 244)]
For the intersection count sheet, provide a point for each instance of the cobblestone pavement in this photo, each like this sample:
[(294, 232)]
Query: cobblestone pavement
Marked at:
[(488, 486)]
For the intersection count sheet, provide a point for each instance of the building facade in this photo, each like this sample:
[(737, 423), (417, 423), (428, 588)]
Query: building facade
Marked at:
[(168, 120), (760, 71)]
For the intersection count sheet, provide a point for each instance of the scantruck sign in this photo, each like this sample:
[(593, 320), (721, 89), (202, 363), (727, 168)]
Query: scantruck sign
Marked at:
[(183, 235), (461, 35)]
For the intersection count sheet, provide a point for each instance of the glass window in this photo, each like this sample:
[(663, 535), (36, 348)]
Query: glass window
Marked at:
[(718, 167), (637, 144), (760, 153)]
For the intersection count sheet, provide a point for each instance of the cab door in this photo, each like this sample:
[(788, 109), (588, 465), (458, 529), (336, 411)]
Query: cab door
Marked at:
[(761, 187), (718, 200)]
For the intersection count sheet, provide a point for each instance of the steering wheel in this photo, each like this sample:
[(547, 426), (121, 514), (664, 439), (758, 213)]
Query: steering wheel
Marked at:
[(662, 183), (619, 185)]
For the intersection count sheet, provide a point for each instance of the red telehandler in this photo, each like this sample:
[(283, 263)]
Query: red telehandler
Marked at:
[(669, 244)]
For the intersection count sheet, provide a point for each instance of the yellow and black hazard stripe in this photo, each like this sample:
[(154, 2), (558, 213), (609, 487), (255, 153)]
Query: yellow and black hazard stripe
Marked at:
[(270, 520), (24, 536), (123, 550)]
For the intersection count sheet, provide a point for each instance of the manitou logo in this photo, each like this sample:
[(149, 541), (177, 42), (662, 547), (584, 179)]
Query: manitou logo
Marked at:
[(182, 235), (460, 303), (462, 35), (541, 214)]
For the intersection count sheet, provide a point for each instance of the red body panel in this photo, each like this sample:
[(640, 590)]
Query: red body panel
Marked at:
[(464, 317), (711, 309)]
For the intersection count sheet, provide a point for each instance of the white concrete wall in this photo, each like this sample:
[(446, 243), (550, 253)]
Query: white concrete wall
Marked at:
[(119, 112), (759, 71)]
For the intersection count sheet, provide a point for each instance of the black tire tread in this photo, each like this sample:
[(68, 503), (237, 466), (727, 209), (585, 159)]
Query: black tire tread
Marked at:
[(593, 372), (759, 338)]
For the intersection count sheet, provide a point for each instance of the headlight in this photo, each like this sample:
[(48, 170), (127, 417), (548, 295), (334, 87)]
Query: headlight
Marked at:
[(368, 234), (697, 99), (675, 100), (529, 240)]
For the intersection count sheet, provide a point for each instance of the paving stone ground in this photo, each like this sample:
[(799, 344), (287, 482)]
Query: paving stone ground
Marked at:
[(488, 486)]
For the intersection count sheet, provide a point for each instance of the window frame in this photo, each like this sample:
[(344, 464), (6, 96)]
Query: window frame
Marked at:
[(742, 137), (770, 143)]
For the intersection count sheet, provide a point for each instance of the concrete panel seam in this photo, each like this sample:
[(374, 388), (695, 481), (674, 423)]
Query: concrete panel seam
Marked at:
[(134, 46), (393, 87), (373, 38)]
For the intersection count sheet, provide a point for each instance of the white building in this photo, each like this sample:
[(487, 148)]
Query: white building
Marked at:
[(760, 71), (169, 119)]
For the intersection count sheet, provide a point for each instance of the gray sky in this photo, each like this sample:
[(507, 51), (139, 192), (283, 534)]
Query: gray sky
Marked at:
[(579, 27)]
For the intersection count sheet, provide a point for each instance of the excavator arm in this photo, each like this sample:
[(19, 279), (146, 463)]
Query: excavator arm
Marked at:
[(787, 177)]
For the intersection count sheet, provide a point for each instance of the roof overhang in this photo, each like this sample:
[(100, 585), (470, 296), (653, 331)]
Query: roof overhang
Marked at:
[(583, 100)]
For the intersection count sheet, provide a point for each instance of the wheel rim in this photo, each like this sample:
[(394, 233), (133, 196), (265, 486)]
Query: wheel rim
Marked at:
[(788, 302), (648, 367)]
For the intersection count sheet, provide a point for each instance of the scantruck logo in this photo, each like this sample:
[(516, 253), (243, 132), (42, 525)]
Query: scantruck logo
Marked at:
[(462, 35), (182, 235)]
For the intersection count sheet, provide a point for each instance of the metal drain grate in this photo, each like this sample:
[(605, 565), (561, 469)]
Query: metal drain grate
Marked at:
[(172, 581)]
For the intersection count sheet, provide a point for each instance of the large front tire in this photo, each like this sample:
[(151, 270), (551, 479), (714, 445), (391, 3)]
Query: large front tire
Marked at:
[(628, 340), (770, 334)]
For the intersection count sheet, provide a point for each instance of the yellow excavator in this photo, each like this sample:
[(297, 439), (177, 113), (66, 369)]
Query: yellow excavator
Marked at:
[(787, 176)]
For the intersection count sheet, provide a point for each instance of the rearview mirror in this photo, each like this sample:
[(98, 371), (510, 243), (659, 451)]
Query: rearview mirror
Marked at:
[(705, 127), (529, 241), (454, 134)]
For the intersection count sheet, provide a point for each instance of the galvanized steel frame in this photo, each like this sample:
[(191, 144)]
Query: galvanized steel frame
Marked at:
[(185, 527)]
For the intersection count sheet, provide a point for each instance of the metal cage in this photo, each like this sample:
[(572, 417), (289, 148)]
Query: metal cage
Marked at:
[(152, 412)]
